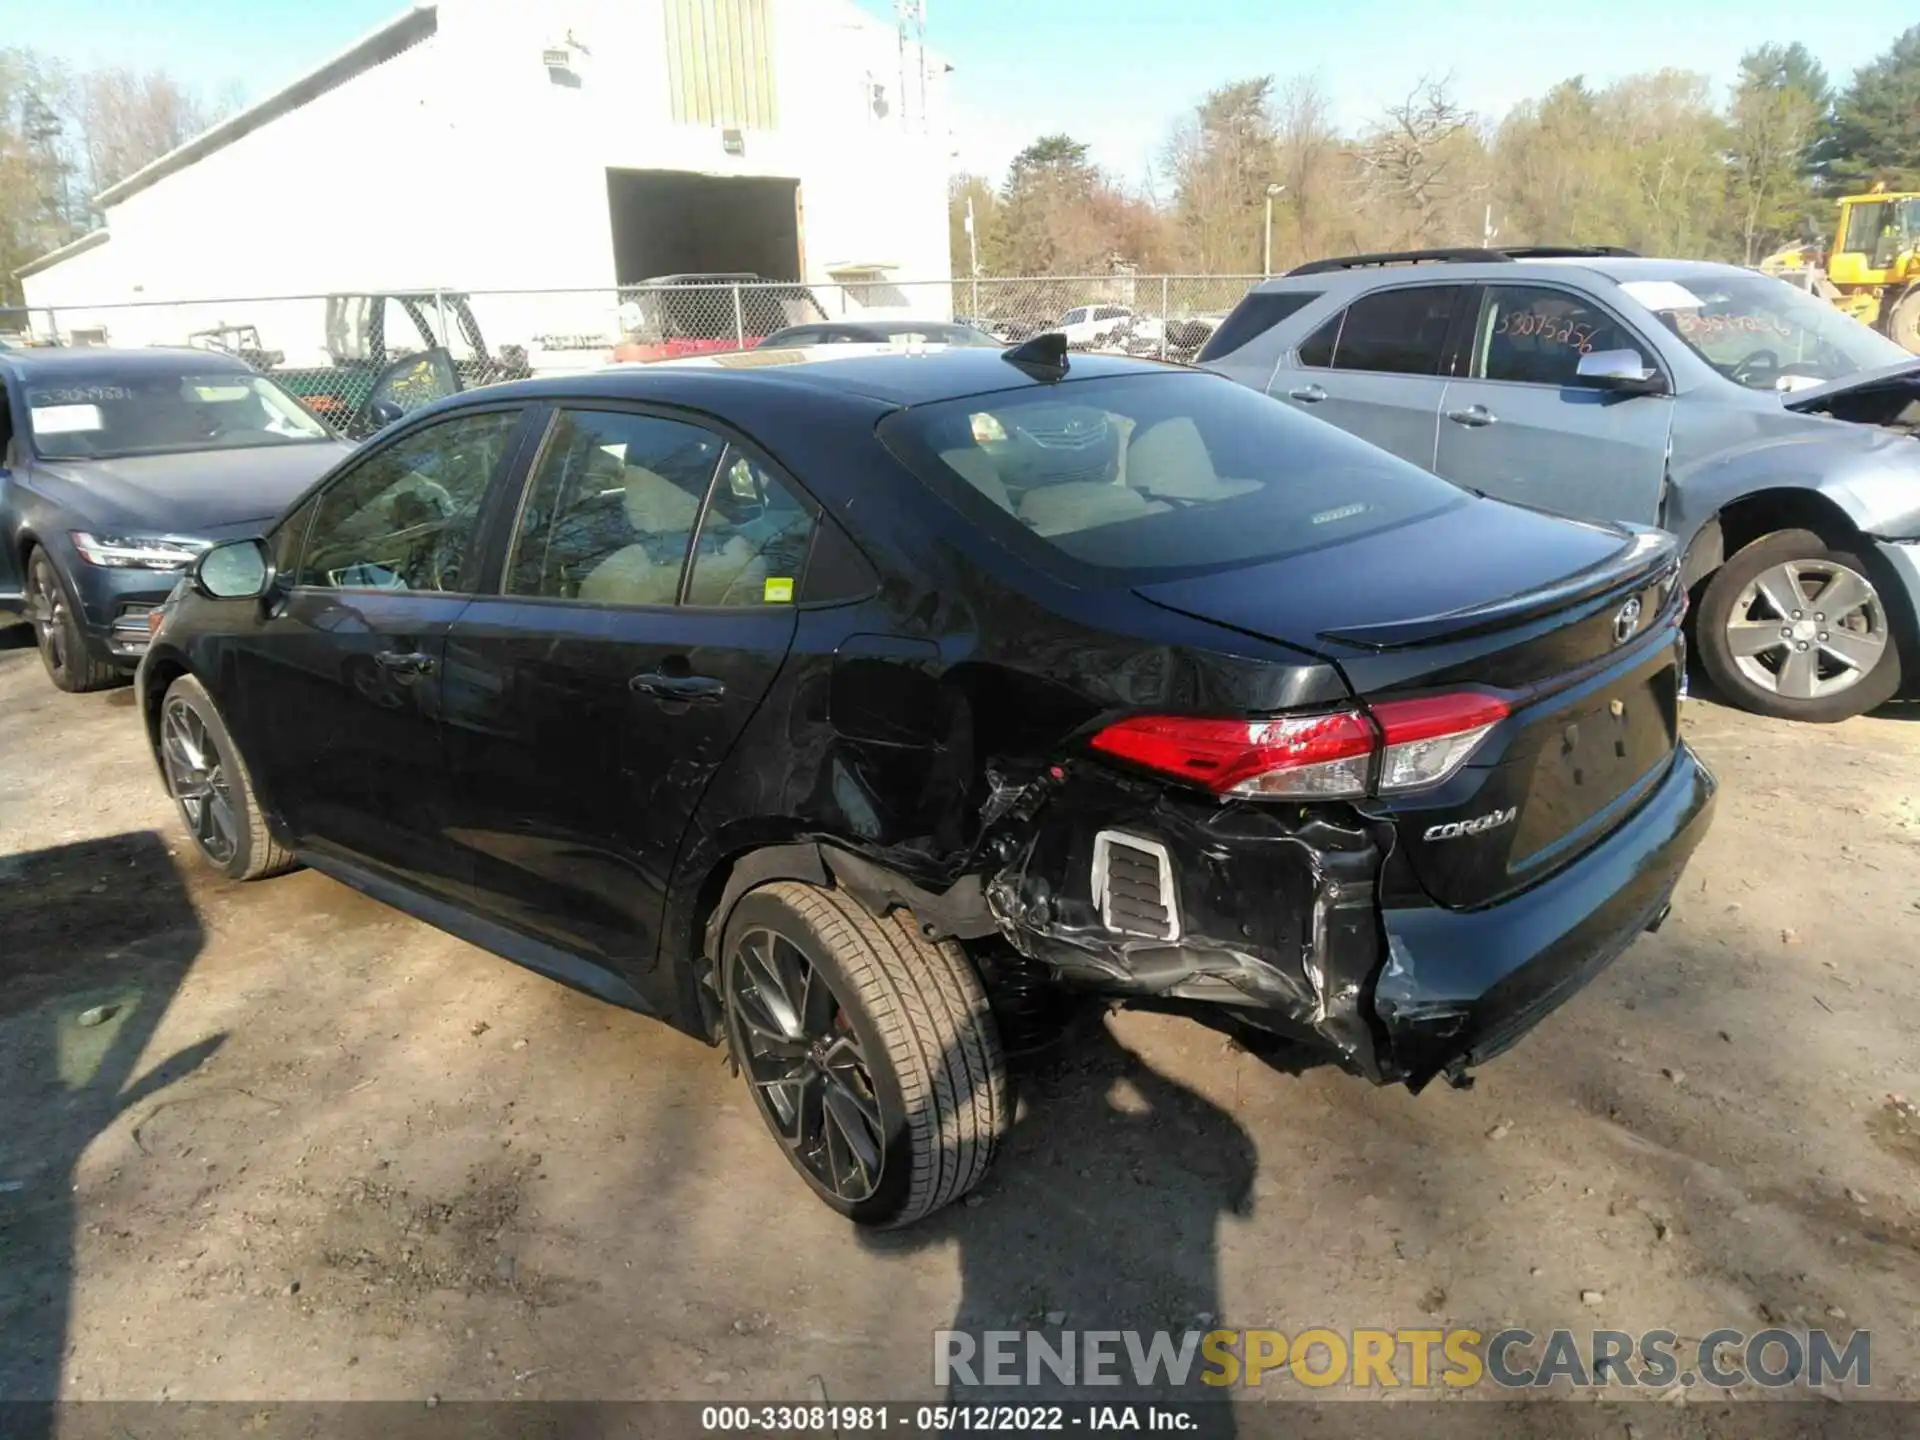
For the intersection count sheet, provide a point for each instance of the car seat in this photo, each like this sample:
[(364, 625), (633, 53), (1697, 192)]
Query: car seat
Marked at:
[(1169, 459), (658, 510)]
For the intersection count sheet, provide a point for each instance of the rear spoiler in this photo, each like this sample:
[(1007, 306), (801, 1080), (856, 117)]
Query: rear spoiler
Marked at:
[(1645, 556)]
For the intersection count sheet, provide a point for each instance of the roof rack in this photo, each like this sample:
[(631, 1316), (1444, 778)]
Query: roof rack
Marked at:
[(1458, 256)]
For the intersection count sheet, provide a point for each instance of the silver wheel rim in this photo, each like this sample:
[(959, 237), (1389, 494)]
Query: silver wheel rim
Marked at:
[(49, 610), (1806, 629), (197, 776), (810, 1077)]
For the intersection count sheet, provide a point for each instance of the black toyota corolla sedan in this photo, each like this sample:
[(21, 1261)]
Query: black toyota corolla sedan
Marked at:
[(832, 707)]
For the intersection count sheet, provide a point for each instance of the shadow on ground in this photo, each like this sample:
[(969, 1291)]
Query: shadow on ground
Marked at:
[(1111, 1188), (99, 936)]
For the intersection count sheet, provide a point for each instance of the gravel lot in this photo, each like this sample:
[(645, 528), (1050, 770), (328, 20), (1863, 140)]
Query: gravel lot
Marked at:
[(317, 1150)]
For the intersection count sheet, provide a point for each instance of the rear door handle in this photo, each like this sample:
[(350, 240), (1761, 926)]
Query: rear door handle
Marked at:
[(1307, 394), (1473, 417), (411, 662), (677, 687)]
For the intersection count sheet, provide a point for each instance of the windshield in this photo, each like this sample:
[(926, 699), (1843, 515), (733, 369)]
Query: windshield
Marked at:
[(1763, 333), (142, 412), (1151, 476)]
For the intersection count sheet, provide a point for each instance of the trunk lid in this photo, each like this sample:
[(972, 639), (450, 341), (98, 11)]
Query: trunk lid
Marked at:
[(1574, 626)]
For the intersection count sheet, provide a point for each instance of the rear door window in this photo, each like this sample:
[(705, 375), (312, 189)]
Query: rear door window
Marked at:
[(1147, 477), (753, 539), (612, 508), (1400, 332)]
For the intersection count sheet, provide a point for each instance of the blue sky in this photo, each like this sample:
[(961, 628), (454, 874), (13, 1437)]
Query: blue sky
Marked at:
[(1114, 73)]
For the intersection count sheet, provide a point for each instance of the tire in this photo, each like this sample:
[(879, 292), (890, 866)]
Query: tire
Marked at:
[(72, 664), (902, 1049), (247, 850), (1903, 320), (1793, 570)]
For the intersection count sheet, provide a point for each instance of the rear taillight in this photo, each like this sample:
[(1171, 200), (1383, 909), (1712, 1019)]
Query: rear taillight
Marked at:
[(1329, 756), (1424, 741)]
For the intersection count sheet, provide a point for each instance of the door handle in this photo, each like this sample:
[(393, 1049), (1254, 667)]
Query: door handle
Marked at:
[(411, 662), (677, 687), (1473, 417), (1307, 394)]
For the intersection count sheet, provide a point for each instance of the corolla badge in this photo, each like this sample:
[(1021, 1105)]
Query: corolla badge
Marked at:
[(1626, 620), (1480, 824)]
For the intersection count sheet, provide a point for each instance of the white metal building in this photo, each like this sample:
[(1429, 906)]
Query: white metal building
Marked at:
[(493, 144)]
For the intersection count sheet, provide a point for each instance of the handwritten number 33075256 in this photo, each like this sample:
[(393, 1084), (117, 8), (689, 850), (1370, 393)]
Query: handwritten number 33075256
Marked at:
[(1548, 329)]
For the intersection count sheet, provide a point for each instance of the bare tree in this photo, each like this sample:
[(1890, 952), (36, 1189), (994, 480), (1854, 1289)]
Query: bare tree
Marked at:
[(129, 120), (1412, 157)]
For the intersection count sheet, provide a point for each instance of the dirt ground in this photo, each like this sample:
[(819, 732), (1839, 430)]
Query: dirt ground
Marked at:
[(276, 1141)]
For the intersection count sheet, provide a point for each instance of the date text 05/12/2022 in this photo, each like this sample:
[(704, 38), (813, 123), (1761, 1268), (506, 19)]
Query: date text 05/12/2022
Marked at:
[(943, 1419)]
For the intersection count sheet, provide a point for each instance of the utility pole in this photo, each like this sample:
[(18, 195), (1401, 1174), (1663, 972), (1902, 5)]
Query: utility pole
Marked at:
[(973, 262), (1266, 264)]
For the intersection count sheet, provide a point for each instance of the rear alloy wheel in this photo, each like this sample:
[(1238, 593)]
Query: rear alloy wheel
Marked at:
[(1792, 628), (209, 782), (870, 1051), (71, 664)]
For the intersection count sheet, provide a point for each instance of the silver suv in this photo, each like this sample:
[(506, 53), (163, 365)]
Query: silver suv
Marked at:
[(1773, 434)]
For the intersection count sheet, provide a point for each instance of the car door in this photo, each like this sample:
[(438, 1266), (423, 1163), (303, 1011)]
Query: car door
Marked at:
[(643, 612), (1375, 369), (338, 689), (1517, 424)]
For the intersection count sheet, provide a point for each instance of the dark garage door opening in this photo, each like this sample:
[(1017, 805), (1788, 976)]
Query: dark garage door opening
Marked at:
[(670, 222)]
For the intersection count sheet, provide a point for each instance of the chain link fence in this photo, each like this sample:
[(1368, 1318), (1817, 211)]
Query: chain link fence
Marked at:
[(333, 350)]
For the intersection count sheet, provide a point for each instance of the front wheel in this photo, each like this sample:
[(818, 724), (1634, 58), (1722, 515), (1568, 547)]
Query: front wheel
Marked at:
[(71, 663), (209, 782), (1793, 628), (870, 1051)]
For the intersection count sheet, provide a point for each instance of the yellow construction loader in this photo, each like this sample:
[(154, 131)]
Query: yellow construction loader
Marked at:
[(1873, 270)]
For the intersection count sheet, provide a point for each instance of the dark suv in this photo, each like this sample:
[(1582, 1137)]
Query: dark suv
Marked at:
[(1774, 435), (836, 708)]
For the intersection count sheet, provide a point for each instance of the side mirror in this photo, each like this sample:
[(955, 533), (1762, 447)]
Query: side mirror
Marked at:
[(383, 413), (236, 570), (1620, 370)]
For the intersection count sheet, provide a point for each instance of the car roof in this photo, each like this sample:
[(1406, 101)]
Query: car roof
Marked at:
[(1618, 268), (887, 373), (52, 362)]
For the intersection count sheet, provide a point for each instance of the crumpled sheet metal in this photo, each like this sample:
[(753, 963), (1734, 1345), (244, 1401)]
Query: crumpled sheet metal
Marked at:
[(1277, 909)]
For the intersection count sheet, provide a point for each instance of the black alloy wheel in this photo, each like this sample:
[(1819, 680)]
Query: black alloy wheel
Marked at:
[(71, 664), (801, 1055), (870, 1050)]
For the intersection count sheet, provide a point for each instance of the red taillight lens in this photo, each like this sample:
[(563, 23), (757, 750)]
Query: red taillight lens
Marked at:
[(1425, 740), (1306, 756), (1419, 742)]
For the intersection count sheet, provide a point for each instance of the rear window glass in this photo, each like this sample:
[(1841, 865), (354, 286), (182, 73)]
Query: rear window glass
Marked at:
[(1147, 477), (1253, 317), (1402, 332)]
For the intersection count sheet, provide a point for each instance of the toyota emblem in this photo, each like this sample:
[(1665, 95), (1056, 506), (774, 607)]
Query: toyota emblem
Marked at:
[(1626, 621)]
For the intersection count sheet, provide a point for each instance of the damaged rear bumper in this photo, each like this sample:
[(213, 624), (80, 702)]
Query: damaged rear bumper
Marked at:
[(1275, 915), (1461, 986)]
